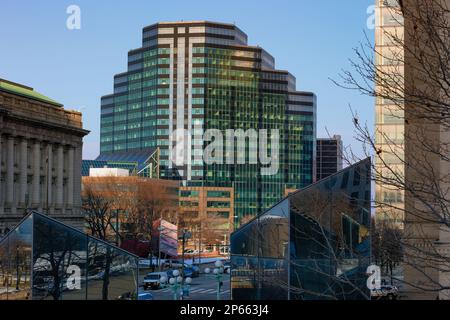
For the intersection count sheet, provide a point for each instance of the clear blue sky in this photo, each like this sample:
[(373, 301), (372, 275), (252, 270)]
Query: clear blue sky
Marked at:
[(311, 39)]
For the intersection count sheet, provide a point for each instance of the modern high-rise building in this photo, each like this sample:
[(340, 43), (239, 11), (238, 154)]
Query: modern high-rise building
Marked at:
[(389, 113), (329, 156), (200, 76)]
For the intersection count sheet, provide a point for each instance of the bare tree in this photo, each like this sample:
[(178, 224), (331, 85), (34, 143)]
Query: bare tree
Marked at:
[(387, 251), (150, 201), (409, 76), (98, 204)]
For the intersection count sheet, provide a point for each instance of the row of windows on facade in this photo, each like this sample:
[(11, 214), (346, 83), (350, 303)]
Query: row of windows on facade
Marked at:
[(218, 52), (210, 71), (151, 89), (210, 204), (214, 94), (148, 63), (148, 70), (248, 109), (269, 110), (150, 119), (289, 145), (390, 196), (218, 120), (239, 91), (145, 74)]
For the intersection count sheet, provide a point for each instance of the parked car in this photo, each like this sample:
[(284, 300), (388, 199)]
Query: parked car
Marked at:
[(227, 267), (170, 272), (196, 271), (191, 271), (132, 296), (385, 292), (145, 296), (153, 280), (188, 272)]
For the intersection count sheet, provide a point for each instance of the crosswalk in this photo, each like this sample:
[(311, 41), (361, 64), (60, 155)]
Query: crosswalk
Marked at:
[(198, 291)]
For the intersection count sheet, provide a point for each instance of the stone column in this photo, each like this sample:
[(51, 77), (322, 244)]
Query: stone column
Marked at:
[(23, 173), (10, 172), (1, 189), (48, 201), (36, 175), (77, 176), (60, 176), (70, 174)]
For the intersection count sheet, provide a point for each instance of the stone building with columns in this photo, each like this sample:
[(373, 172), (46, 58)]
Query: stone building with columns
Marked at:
[(40, 157)]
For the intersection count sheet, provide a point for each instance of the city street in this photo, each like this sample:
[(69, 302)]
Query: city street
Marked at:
[(202, 288)]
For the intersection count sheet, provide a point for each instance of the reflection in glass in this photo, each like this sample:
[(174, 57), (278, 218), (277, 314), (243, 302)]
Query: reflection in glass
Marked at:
[(259, 256), (112, 273), (15, 262), (314, 245), (58, 251), (62, 263)]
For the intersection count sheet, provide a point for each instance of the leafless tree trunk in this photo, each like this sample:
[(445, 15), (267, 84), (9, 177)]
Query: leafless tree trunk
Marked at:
[(98, 212)]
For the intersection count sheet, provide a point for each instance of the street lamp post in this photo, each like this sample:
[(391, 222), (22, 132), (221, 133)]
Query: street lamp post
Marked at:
[(17, 268), (186, 235), (176, 282), (218, 275)]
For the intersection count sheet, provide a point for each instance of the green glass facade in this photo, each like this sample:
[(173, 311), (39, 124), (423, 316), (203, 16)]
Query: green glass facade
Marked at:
[(198, 76)]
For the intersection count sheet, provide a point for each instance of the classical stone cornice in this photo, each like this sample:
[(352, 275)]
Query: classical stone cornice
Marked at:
[(44, 124)]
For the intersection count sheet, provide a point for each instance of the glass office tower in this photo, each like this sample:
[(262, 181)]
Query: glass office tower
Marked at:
[(201, 75), (313, 245), (43, 259)]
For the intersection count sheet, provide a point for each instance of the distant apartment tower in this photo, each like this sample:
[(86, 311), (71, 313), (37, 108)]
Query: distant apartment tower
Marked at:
[(40, 157), (201, 75), (329, 156), (389, 128)]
